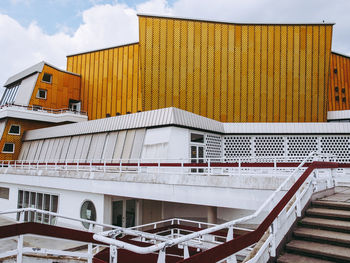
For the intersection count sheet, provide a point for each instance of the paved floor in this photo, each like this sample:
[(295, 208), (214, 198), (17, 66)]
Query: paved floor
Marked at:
[(342, 194)]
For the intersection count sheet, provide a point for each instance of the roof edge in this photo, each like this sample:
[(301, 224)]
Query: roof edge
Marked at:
[(227, 22), (101, 49), (340, 54)]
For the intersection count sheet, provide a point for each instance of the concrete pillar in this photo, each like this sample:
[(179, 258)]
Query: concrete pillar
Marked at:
[(212, 214)]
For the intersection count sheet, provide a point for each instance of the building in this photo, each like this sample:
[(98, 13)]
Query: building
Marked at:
[(199, 120)]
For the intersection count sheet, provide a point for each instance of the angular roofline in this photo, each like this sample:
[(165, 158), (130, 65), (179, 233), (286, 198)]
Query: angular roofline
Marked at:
[(340, 54), (101, 49), (37, 68), (180, 118), (227, 22)]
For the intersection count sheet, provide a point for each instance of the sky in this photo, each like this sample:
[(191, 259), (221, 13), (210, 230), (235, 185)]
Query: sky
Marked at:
[(36, 30)]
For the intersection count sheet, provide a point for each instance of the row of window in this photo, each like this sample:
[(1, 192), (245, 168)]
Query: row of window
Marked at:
[(47, 202), (42, 93), (10, 94), (9, 147), (42, 201)]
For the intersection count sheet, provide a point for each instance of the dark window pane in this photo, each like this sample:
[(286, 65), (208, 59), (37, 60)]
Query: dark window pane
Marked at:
[(41, 94), (199, 138), (47, 78), (14, 129), (8, 148), (130, 213)]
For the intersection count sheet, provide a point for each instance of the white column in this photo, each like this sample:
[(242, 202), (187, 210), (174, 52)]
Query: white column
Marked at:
[(212, 214)]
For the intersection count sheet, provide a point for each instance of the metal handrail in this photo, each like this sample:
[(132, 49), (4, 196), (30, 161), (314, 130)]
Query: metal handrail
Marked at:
[(49, 110), (102, 237)]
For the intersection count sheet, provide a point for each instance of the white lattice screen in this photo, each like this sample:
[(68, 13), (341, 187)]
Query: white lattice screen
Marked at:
[(237, 146), (285, 146), (213, 149), (269, 146), (336, 145), (301, 145)]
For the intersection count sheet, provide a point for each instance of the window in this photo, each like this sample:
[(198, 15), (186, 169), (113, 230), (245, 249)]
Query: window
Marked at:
[(74, 105), (198, 138), (88, 212), (40, 201), (10, 93), (41, 94), (47, 78), (15, 129), (4, 193), (8, 148)]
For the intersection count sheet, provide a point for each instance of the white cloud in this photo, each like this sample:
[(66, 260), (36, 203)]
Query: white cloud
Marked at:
[(103, 26), (107, 25)]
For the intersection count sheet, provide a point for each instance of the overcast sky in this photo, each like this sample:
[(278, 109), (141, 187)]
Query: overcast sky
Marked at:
[(36, 30)]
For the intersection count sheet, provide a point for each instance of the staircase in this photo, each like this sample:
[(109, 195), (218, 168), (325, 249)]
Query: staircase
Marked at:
[(323, 235)]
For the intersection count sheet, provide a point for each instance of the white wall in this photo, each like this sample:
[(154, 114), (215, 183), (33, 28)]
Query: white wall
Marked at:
[(166, 143), (26, 89), (2, 128), (69, 203)]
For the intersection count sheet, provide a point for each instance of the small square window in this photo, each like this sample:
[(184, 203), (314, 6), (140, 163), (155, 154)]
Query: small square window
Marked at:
[(15, 129), (41, 94), (8, 148), (47, 78)]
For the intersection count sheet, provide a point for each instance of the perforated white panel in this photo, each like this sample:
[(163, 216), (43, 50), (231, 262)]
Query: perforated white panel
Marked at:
[(237, 146), (336, 145), (269, 146), (286, 146), (301, 145), (213, 146)]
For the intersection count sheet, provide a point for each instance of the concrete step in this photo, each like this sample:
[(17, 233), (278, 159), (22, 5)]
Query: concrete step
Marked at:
[(331, 204), (329, 213), (293, 258), (315, 249), (330, 224), (323, 235)]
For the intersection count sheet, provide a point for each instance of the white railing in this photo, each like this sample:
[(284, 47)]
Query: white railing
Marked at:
[(223, 166), (185, 240), (105, 236), (203, 242), (41, 109)]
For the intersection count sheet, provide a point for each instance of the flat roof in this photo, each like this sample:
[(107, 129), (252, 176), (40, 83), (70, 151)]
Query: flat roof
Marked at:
[(101, 49), (229, 22), (181, 118)]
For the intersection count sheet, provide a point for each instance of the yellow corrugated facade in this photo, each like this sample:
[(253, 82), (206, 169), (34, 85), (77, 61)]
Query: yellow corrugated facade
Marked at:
[(235, 72), (339, 88), (109, 80)]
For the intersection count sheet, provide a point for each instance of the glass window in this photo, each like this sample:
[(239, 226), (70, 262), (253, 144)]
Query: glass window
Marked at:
[(198, 138), (4, 192), (8, 148), (15, 129), (130, 212), (10, 94), (40, 201), (88, 212), (41, 94), (47, 78)]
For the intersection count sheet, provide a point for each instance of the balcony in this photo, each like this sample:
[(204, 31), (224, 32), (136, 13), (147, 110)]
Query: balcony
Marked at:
[(38, 113)]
